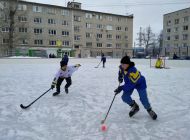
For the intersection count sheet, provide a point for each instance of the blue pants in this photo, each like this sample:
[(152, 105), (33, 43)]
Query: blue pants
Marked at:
[(126, 97)]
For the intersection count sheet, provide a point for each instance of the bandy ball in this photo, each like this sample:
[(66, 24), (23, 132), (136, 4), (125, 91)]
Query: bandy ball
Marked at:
[(103, 127)]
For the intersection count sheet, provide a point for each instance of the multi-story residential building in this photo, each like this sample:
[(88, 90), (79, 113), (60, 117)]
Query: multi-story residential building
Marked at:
[(80, 33), (176, 33)]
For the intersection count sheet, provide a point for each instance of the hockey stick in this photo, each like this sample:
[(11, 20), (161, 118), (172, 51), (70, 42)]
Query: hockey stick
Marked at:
[(98, 65), (102, 122), (25, 107)]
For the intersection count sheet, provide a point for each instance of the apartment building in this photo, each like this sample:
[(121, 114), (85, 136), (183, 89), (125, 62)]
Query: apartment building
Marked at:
[(176, 33), (72, 30)]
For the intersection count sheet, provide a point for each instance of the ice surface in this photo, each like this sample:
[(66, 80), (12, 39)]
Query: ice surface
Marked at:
[(78, 115)]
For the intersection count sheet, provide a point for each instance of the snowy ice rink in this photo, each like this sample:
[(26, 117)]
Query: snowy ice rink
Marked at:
[(77, 115)]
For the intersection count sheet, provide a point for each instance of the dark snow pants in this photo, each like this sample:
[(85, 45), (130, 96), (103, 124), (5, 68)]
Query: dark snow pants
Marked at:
[(60, 80)]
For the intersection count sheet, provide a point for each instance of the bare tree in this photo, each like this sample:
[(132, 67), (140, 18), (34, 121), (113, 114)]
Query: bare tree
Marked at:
[(9, 9), (160, 41), (148, 38)]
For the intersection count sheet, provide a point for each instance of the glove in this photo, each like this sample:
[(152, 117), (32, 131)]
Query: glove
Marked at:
[(118, 90), (120, 80), (120, 76), (77, 65), (53, 85)]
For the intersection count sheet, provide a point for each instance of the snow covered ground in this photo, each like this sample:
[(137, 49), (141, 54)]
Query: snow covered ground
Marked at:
[(77, 115)]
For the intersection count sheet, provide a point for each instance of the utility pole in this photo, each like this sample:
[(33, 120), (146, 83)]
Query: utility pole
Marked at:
[(134, 50)]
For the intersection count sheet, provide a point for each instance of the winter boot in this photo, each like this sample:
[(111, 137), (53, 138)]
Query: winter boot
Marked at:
[(134, 109), (66, 90), (56, 93), (152, 113)]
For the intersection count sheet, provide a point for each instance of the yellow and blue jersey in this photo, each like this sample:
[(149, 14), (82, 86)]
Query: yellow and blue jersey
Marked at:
[(132, 78)]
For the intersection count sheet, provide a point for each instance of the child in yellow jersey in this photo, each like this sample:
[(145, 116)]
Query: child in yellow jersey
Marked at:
[(159, 63)]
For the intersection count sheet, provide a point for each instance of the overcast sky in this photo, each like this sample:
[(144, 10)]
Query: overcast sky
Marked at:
[(146, 12)]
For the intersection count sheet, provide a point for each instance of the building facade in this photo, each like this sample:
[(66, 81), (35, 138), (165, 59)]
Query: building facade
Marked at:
[(72, 30), (176, 33)]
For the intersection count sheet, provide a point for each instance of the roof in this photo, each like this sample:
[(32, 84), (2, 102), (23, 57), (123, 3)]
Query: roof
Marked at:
[(128, 16), (177, 11)]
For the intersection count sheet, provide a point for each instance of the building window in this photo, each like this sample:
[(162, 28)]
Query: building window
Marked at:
[(22, 30), (88, 44), (185, 28), (65, 12), (37, 20), (168, 38), (109, 27), (52, 32), (126, 28), (37, 30), (109, 36), (176, 21), (5, 29), (176, 29), (185, 36), (77, 28), (51, 11), (23, 41), (65, 23), (76, 6), (51, 21), (22, 18), (99, 17), (168, 45), (37, 9), (118, 45), (22, 7), (38, 42), (88, 35), (98, 35), (77, 37), (88, 15), (109, 18), (168, 30), (52, 43), (168, 22), (118, 28), (109, 45), (99, 44), (5, 41), (65, 43), (118, 19), (4, 17), (77, 18), (88, 25), (118, 37), (176, 45), (184, 44), (65, 33), (126, 45), (99, 26), (126, 37), (176, 37), (185, 19)]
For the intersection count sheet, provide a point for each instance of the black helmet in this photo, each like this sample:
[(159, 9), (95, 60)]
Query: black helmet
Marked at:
[(126, 60)]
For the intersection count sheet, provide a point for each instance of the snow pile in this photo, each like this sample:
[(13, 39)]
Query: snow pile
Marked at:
[(23, 57)]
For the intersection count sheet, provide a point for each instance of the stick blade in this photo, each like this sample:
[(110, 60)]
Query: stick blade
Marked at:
[(23, 107), (102, 122)]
